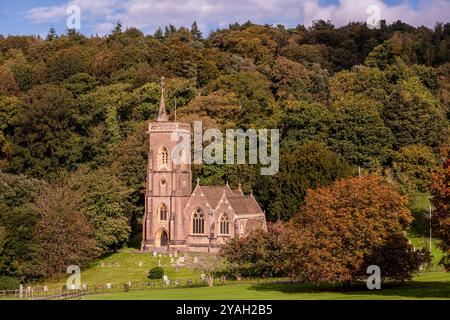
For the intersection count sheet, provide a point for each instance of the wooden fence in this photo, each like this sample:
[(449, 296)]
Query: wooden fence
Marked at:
[(39, 293)]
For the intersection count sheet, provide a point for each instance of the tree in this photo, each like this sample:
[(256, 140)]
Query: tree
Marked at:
[(302, 167), (302, 122), (412, 166), (158, 34), (258, 254), (43, 134), (19, 251), (195, 31), (66, 63), (440, 190), (62, 232), (253, 93), (8, 108), (414, 115), (18, 190), (51, 34), (8, 84), (23, 75), (358, 133), (104, 204), (342, 227)]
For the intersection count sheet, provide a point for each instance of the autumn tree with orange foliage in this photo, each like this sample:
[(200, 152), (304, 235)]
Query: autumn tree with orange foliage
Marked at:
[(342, 229), (440, 190)]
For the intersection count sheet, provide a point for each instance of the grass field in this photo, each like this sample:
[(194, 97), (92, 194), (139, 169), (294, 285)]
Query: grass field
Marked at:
[(433, 285), (418, 233), (127, 265)]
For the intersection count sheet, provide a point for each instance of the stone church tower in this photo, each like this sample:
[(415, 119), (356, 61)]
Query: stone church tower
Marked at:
[(177, 218), (169, 184)]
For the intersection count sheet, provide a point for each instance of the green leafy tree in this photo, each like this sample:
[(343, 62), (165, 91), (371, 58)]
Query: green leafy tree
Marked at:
[(301, 167), (358, 132), (43, 135), (19, 252), (414, 115), (413, 165), (302, 122), (104, 203)]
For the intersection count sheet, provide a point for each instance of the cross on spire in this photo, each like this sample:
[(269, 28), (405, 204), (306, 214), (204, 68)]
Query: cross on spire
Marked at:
[(162, 115)]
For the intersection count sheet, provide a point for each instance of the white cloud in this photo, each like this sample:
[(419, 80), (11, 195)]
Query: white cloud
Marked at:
[(150, 14)]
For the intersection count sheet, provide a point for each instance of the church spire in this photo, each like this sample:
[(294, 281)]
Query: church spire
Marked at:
[(162, 115)]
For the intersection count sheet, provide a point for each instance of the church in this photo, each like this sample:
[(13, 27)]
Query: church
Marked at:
[(179, 219)]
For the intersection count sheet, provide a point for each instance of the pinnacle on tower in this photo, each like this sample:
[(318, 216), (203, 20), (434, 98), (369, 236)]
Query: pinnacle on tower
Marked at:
[(162, 115)]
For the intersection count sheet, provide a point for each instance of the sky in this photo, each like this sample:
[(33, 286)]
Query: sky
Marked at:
[(35, 17)]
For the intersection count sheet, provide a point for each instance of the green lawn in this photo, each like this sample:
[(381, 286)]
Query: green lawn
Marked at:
[(433, 285), (123, 266), (418, 233)]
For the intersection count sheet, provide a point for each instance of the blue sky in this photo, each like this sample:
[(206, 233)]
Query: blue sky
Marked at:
[(99, 16)]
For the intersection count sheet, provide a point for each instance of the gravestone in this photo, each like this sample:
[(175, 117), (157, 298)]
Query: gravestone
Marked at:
[(203, 276), (172, 260), (175, 254), (102, 264), (167, 282), (108, 285), (159, 263), (140, 263), (109, 265), (129, 284), (117, 264), (160, 255), (165, 278), (155, 254), (176, 282), (195, 259), (84, 286), (181, 259), (170, 255), (45, 288)]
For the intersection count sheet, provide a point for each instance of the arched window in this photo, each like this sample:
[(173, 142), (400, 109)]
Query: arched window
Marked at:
[(224, 224), (163, 157), (198, 222), (162, 212)]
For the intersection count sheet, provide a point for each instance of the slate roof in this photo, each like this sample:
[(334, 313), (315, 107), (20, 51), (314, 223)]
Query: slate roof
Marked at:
[(214, 193), (244, 204), (241, 203)]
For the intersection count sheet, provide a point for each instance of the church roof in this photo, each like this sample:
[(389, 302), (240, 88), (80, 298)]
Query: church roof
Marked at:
[(244, 204), (241, 203), (214, 193)]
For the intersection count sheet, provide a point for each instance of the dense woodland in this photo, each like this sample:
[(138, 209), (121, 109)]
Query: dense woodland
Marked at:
[(73, 109)]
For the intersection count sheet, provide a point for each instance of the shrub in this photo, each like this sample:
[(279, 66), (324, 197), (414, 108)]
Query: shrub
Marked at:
[(156, 273), (8, 283)]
